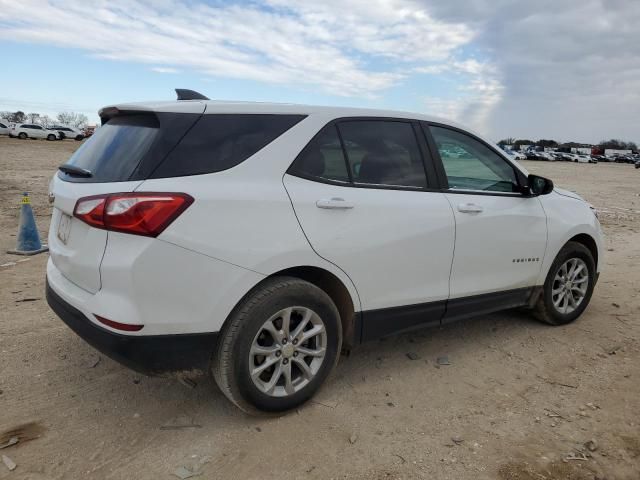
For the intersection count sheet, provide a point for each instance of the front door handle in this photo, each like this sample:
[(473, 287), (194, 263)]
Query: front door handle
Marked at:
[(335, 203), (470, 208)]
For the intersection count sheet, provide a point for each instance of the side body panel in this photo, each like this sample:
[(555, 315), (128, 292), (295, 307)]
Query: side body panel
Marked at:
[(395, 245), (566, 218), (500, 248)]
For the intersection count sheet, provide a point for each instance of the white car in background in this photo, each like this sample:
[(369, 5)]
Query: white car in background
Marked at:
[(254, 241), (4, 127), (69, 132), (582, 158), (30, 130)]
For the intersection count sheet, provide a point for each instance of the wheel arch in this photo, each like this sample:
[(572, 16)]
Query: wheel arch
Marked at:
[(339, 293), (589, 242), (332, 286)]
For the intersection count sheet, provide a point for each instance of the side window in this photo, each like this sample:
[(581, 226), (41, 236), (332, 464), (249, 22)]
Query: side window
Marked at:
[(2, 125), (221, 141), (383, 152), (322, 157), (471, 165)]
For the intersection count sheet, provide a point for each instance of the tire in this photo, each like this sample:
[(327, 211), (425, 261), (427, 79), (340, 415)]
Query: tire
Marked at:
[(245, 330), (51, 137), (22, 135), (545, 309), (79, 137)]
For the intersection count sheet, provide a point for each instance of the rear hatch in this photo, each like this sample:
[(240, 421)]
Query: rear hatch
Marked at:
[(117, 158)]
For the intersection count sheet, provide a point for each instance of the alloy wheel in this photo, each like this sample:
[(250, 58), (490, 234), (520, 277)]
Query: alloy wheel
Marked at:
[(570, 285), (288, 351)]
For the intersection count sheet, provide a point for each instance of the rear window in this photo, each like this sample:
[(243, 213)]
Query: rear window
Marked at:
[(116, 149), (220, 141), (162, 145)]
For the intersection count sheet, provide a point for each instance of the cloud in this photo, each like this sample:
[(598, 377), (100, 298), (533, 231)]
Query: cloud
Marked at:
[(568, 70), (355, 48), (165, 70)]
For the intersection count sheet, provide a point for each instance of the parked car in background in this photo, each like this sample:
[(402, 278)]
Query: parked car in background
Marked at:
[(69, 132), (624, 159), (4, 127), (584, 158), (533, 155), (55, 134), (355, 224), (29, 130), (600, 158), (88, 131)]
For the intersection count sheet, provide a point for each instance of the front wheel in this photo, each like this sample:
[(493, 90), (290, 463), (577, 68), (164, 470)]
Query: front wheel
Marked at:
[(278, 346), (51, 137), (22, 135), (568, 287)]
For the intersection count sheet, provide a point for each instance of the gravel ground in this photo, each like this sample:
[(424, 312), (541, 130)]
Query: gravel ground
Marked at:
[(518, 401)]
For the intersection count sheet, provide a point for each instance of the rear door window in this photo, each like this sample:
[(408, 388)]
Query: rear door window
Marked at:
[(384, 153), (323, 158)]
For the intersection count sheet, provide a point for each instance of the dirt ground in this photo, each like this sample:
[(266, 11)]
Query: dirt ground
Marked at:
[(518, 401)]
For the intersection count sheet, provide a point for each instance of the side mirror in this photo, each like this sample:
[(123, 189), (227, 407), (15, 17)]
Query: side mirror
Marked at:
[(539, 185)]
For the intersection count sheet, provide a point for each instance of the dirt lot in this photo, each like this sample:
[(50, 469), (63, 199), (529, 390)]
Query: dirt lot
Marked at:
[(518, 401)]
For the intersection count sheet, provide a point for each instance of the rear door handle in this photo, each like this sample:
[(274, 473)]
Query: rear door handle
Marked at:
[(470, 208), (335, 203)]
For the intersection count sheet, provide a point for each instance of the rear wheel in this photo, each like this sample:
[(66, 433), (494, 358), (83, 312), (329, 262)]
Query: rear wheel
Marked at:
[(22, 135), (79, 137), (278, 346), (568, 287)]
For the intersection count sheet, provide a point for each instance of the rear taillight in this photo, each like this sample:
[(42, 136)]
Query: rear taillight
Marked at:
[(143, 213)]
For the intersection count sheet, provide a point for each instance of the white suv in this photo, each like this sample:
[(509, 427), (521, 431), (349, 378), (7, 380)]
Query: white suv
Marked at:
[(69, 132), (30, 130), (256, 241)]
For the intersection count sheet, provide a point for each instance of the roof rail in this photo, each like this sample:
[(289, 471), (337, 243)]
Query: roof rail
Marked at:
[(186, 94)]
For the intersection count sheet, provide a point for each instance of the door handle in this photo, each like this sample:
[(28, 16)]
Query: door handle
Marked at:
[(335, 203), (470, 208)]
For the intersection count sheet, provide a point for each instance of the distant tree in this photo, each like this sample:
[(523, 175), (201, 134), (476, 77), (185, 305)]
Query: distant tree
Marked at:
[(523, 142), (17, 117), (546, 143), (46, 121), (33, 117), (73, 119), (618, 144), (507, 141), (4, 115)]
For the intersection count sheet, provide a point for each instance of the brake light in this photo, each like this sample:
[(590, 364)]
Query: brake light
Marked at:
[(142, 213)]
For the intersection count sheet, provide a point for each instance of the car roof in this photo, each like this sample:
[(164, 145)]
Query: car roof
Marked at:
[(216, 106)]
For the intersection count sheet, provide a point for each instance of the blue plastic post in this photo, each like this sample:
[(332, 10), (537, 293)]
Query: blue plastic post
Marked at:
[(28, 236)]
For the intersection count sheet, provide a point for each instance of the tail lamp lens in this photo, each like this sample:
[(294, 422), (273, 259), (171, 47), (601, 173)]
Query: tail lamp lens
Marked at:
[(136, 213)]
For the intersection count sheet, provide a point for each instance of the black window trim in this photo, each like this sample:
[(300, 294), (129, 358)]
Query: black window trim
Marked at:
[(427, 160), (439, 166)]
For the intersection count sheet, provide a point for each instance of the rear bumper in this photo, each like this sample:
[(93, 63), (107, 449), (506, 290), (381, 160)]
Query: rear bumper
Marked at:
[(188, 354)]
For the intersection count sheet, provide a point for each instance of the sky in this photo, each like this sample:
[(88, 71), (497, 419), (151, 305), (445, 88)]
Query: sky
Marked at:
[(562, 69)]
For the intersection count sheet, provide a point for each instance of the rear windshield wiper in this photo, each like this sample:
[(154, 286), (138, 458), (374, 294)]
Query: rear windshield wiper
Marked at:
[(76, 171)]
